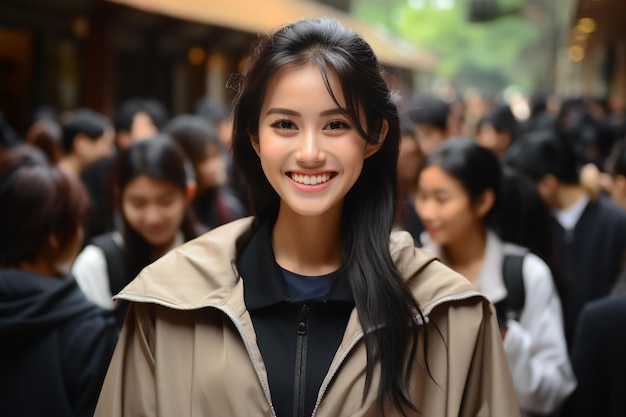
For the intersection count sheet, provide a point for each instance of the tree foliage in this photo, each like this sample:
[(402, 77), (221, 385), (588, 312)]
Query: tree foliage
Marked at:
[(488, 55)]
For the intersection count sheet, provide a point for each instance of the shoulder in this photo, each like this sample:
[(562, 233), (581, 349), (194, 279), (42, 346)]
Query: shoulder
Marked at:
[(432, 283), (196, 271)]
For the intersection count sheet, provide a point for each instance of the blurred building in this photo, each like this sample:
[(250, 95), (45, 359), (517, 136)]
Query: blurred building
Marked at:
[(96, 53), (592, 57)]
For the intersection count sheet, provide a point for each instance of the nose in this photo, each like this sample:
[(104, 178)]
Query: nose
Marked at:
[(152, 215), (310, 152)]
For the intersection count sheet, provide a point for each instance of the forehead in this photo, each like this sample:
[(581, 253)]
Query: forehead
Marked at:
[(434, 177), (289, 84), (146, 186)]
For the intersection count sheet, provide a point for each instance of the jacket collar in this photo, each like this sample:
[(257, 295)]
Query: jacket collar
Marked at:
[(263, 281), (203, 272)]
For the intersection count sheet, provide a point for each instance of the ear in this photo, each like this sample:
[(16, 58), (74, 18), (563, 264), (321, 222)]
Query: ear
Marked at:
[(53, 242), (485, 202), (190, 191), (254, 140), (372, 148)]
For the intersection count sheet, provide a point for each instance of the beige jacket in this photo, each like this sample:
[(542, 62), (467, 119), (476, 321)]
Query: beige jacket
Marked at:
[(188, 345)]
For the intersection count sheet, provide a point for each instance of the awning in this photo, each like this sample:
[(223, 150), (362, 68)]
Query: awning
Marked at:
[(265, 16)]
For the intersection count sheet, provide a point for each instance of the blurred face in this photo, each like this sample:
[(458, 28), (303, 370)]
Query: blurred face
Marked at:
[(429, 137), (409, 160), (94, 150), (309, 150), (488, 137), (444, 206), (154, 208), (212, 170), (143, 127)]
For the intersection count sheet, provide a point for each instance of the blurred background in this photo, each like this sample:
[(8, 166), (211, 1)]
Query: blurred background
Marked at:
[(97, 53)]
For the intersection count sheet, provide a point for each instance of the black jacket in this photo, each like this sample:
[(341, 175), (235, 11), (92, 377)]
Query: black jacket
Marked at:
[(590, 257), (599, 360), (55, 346)]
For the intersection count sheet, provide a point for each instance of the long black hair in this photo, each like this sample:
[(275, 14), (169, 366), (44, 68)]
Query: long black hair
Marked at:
[(159, 158), (388, 312)]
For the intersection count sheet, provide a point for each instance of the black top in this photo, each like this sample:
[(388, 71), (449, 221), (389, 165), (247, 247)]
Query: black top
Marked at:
[(297, 340), (55, 346), (590, 257), (598, 360)]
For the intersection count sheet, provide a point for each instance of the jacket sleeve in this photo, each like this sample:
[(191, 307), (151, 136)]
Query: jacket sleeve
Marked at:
[(129, 385), (479, 380), (535, 347)]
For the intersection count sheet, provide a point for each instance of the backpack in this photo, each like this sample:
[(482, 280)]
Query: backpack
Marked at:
[(116, 267), (511, 307)]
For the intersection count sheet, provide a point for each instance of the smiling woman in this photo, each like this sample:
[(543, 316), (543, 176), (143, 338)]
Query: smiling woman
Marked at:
[(312, 306)]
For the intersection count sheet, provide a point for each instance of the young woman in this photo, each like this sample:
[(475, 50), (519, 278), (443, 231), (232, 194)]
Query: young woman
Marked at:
[(55, 345), (215, 202), (154, 189), (458, 200), (313, 306)]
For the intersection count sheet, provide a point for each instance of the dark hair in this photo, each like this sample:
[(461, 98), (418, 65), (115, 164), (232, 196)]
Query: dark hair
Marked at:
[(526, 219), (378, 289), (86, 122), (38, 200), (502, 119), (475, 167), (46, 135), (212, 110), (407, 127), (192, 133), (429, 110), (617, 164), (126, 112), (545, 152), (158, 158)]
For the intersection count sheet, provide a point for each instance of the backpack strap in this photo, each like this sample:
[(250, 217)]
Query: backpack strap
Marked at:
[(116, 267), (514, 282), (116, 264)]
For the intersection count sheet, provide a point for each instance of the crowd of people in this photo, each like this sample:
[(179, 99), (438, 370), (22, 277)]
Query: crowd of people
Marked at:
[(397, 258)]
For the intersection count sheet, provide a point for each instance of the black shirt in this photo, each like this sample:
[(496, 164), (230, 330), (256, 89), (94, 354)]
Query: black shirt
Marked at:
[(297, 339)]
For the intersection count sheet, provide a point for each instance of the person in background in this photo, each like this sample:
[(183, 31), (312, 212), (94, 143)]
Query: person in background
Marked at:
[(588, 232), (497, 130), (154, 190), (215, 202), (598, 359), (55, 346), (136, 119), (45, 133), (87, 138), (409, 159), (430, 115), (458, 199), (313, 305)]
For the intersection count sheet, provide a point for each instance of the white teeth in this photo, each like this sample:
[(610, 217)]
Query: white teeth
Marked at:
[(310, 179)]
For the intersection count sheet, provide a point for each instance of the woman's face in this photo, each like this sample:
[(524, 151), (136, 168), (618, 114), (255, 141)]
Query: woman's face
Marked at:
[(154, 208), (444, 206), (310, 152)]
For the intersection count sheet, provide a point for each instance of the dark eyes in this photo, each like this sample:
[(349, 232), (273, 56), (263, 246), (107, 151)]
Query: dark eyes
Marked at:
[(286, 124)]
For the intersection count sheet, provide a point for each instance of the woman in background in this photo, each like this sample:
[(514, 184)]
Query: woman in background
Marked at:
[(458, 200), (154, 187)]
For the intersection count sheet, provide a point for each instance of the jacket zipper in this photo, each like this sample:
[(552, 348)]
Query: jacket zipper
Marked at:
[(299, 387)]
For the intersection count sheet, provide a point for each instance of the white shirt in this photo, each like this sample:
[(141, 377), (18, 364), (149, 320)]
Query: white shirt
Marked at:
[(92, 275), (535, 346), (568, 217)]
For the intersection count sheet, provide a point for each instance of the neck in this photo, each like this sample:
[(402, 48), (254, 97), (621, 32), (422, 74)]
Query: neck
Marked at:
[(307, 245), (568, 195), (38, 266), (466, 254)]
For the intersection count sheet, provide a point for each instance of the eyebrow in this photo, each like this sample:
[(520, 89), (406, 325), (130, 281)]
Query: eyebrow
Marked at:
[(278, 110)]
